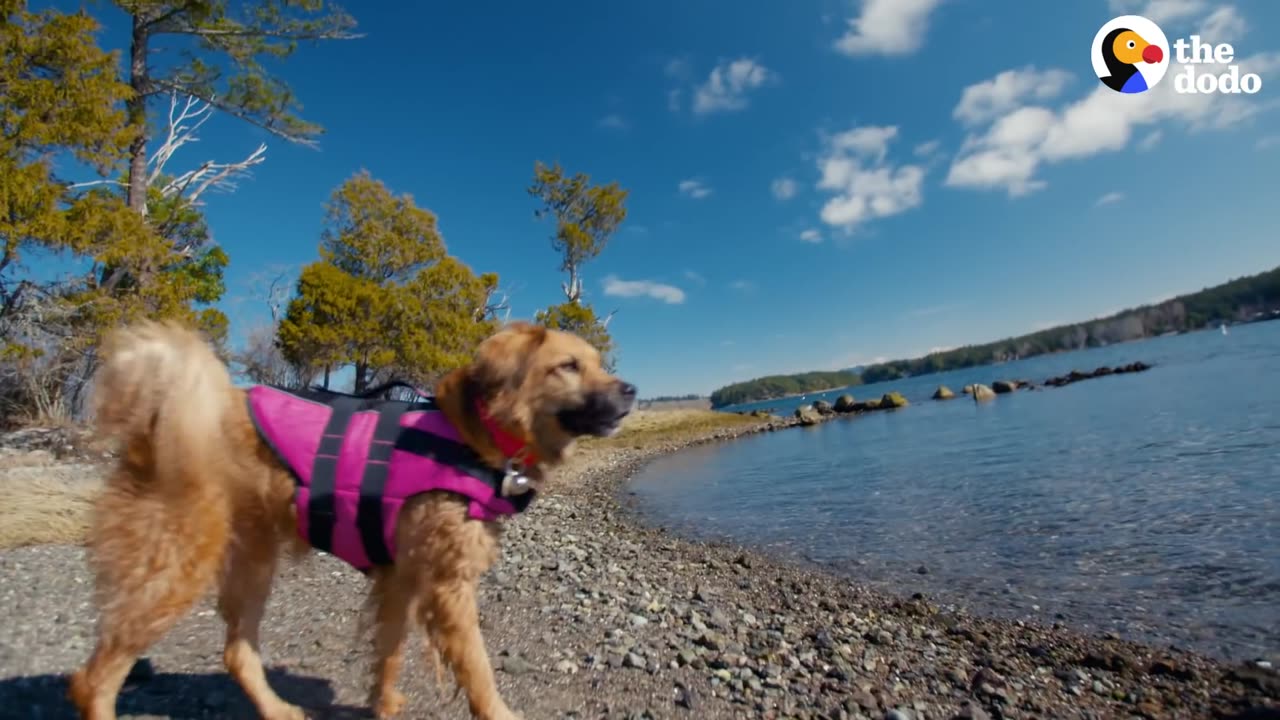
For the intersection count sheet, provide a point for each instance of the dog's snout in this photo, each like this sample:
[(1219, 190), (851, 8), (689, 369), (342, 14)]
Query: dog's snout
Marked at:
[(627, 390)]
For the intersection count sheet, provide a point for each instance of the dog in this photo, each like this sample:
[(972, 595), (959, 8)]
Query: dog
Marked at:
[(200, 499)]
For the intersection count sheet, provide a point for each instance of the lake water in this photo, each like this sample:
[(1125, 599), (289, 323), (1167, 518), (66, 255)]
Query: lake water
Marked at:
[(1146, 504)]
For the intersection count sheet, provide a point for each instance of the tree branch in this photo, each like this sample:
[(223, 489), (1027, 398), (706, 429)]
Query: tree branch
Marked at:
[(177, 133), (235, 112)]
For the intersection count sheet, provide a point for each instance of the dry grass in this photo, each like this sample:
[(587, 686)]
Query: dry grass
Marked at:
[(654, 426), (46, 504)]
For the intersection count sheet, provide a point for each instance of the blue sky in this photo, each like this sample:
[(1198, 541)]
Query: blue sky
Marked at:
[(813, 185)]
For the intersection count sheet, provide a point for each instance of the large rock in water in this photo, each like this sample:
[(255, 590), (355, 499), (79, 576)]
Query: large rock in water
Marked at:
[(982, 392), (1004, 386), (967, 389), (823, 407), (892, 400), (943, 393), (845, 404), (808, 415)]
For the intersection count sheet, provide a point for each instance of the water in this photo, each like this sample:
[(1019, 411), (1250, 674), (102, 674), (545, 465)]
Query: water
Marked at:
[(1146, 504)]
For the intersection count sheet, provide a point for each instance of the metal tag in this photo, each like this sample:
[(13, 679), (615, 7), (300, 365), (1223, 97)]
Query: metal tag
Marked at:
[(515, 482)]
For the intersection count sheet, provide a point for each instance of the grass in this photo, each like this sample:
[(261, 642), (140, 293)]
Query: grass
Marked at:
[(46, 504), (645, 427)]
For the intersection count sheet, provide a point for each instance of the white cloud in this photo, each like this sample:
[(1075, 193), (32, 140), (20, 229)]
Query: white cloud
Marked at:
[(1268, 142), (940, 349), (728, 86), (1151, 140), (617, 287), (784, 188), (673, 100), (677, 67), (1110, 198), (613, 122), (1159, 11), (993, 98), (692, 276), (925, 149), (742, 285), (887, 27), (865, 185), (1011, 151), (694, 188), (811, 236), (1223, 25)]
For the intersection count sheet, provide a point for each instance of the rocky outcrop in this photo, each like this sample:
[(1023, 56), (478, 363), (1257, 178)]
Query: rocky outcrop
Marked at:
[(808, 415), (892, 400), (1077, 375), (846, 404), (944, 393), (982, 393), (967, 389), (1002, 387), (823, 407)]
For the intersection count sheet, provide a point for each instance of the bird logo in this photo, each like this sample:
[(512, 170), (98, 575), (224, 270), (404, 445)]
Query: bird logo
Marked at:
[(1130, 54)]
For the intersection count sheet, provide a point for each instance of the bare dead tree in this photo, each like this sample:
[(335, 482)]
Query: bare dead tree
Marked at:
[(185, 119)]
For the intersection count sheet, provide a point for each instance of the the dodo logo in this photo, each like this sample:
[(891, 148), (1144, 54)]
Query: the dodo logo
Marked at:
[(1130, 54)]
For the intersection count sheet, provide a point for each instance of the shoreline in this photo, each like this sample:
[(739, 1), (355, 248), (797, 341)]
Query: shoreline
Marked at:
[(592, 613), (1225, 689)]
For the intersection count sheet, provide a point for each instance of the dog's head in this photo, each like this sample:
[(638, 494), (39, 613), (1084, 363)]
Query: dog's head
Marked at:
[(549, 386)]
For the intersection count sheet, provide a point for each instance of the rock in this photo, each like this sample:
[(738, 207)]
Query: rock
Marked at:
[(516, 665), (632, 660), (971, 712), (823, 407), (1004, 386), (982, 392), (892, 400), (967, 389), (567, 667), (943, 393), (845, 404), (808, 415), (866, 405)]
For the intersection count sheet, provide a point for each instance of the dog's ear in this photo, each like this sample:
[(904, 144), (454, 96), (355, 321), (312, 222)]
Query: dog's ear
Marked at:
[(502, 359)]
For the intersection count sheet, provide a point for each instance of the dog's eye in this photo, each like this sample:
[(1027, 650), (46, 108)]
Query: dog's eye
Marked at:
[(570, 365)]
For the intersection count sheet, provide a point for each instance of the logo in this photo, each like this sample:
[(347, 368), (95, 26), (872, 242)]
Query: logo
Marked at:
[(1130, 54)]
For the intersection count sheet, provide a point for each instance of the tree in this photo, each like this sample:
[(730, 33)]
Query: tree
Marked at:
[(581, 320), (586, 217), (385, 296), (59, 96), (222, 63)]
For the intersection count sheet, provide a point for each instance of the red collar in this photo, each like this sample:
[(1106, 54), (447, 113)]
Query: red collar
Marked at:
[(509, 445)]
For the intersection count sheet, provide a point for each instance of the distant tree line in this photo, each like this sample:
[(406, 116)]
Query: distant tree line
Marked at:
[(1246, 299), (775, 386)]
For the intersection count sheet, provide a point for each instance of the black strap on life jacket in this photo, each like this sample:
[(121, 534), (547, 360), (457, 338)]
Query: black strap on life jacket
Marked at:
[(388, 436)]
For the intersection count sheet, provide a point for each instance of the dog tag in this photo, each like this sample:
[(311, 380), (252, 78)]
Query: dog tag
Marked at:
[(514, 482)]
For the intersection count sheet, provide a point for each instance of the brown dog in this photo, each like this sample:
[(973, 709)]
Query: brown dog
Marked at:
[(199, 500)]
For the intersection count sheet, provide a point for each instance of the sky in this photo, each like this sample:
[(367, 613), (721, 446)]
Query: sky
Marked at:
[(812, 184)]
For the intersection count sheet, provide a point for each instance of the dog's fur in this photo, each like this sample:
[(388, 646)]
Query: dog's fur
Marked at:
[(199, 501)]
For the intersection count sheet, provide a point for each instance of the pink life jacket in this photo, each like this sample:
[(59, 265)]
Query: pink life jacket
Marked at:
[(357, 459)]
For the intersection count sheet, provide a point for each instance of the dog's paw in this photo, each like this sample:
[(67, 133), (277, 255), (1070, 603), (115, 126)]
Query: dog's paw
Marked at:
[(389, 704)]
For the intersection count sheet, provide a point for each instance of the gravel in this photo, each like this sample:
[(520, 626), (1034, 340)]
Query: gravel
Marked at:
[(589, 614)]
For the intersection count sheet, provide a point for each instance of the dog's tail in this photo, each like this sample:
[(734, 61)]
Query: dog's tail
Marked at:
[(163, 384)]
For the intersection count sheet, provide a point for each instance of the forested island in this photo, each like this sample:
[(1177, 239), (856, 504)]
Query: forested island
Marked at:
[(1246, 299)]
